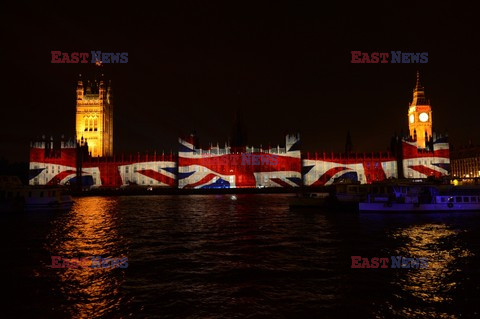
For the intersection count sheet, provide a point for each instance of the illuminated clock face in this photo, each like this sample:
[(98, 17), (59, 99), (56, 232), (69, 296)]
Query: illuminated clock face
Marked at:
[(412, 118), (423, 117)]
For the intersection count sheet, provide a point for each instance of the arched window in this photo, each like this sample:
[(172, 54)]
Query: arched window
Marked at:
[(90, 125), (95, 124), (86, 124)]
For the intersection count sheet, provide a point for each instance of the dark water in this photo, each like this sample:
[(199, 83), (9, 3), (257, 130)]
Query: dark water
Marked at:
[(253, 257)]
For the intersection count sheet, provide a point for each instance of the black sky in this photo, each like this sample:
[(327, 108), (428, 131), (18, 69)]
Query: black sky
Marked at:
[(286, 65)]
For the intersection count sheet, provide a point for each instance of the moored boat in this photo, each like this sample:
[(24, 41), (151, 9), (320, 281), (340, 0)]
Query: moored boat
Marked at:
[(309, 200), (422, 199), (16, 197), (46, 199)]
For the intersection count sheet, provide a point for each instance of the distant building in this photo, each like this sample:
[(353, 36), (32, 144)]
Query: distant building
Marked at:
[(466, 162)]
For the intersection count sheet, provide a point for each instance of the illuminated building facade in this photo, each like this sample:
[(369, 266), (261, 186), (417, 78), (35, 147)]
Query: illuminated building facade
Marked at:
[(432, 161), (94, 117), (416, 156), (239, 167), (90, 158), (50, 164), (325, 169), (57, 165)]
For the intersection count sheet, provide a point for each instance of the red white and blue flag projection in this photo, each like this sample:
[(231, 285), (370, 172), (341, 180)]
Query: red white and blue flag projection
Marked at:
[(421, 155), (418, 163), (52, 167), (239, 168), (58, 167), (325, 170), (235, 167)]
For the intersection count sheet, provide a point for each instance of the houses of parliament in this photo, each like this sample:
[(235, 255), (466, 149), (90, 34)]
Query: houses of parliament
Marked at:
[(90, 159)]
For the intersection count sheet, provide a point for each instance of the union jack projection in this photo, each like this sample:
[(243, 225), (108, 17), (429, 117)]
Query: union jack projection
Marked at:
[(236, 167), (223, 168), (420, 163), (58, 167), (363, 168), (417, 156)]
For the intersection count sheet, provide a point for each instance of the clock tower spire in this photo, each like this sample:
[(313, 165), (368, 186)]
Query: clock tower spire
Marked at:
[(420, 115)]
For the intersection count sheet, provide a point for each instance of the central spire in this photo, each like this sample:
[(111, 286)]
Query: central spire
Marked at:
[(419, 93), (418, 86)]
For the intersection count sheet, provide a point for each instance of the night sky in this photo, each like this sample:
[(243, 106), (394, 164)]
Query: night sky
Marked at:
[(286, 66)]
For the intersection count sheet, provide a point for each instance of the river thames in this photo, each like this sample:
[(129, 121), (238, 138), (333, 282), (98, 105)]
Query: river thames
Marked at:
[(249, 256)]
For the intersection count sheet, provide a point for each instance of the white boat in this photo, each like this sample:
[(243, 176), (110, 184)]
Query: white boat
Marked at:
[(421, 199), (15, 197)]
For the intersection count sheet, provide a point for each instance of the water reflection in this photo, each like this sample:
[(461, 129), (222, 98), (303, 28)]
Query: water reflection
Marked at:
[(90, 229), (214, 257), (433, 286)]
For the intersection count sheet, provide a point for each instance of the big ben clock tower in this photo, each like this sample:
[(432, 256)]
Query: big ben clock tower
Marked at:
[(420, 116)]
